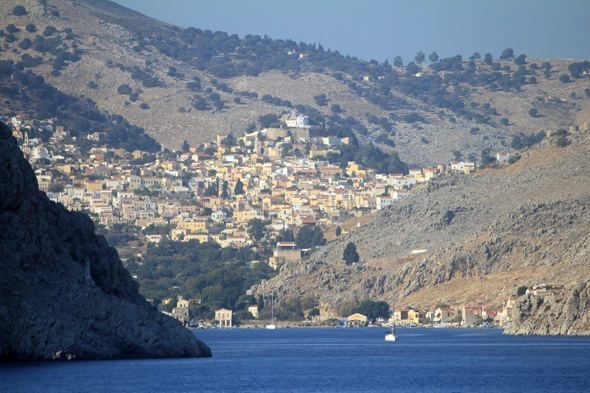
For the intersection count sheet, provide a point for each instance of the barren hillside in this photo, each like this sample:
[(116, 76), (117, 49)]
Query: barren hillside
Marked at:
[(115, 43), (484, 235)]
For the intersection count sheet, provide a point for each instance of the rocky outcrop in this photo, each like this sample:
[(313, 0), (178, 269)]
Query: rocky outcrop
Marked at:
[(557, 313), (49, 308)]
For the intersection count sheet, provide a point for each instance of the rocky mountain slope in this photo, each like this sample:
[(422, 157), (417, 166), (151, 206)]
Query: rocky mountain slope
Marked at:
[(50, 309), (481, 237), (112, 42), (559, 313)]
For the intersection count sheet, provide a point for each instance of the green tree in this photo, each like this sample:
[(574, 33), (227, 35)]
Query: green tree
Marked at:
[(504, 121), (565, 78), (309, 238), (186, 147), (314, 312), (433, 57), (475, 56), (267, 120), (224, 193), (336, 108), (561, 141), (420, 57), (520, 60), (350, 255), (256, 229), (30, 28), (218, 105), (320, 99), (239, 188), (397, 61), (19, 10), (507, 54), (488, 58), (521, 290), (533, 112), (338, 231), (124, 89), (372, 309)]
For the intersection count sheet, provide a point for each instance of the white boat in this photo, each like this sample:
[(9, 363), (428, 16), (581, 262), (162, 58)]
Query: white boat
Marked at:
[(391, 336), (272, 325)]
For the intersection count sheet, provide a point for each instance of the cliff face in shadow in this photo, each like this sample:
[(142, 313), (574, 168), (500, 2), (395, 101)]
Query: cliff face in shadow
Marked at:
[(49, 308)]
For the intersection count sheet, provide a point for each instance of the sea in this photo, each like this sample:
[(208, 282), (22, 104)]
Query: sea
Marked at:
[(331, 360)]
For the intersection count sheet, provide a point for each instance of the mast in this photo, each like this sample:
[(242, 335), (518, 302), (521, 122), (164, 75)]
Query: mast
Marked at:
[(272, 308)]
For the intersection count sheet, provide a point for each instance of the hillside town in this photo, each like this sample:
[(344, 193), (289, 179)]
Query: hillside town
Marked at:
[(269, 175), (277, 180)]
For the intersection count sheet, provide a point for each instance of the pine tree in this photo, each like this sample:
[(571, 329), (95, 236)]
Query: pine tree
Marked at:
[(338, 231), (350, 255), (239, 189), (185, 147), (224, 193)]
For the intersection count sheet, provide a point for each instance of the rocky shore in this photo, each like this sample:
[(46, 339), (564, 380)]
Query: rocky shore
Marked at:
[(559, 313), (64, 292)]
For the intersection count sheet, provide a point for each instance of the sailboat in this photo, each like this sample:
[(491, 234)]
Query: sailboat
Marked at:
[(391, 336), (272, 325)]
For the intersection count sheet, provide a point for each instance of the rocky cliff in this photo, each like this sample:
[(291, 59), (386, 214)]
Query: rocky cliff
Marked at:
[(558, 313), (64, 292)]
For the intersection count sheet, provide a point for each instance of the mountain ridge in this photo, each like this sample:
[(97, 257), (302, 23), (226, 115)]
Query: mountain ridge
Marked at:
[(123, 40)]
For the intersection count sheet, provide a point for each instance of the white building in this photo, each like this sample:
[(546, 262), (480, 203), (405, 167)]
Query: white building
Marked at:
[(503, 157), (383, 202), (299, 121)]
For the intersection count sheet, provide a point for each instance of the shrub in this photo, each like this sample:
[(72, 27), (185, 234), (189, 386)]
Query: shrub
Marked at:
[(49, 31), (11, 28), (504, 121), (124, 89), (19, 10), (144, 106), (561, 141), (564, 78), (533, 112), (30, 28)]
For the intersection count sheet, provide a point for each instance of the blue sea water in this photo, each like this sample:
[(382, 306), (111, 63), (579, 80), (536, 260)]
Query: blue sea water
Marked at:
[(332, 360)]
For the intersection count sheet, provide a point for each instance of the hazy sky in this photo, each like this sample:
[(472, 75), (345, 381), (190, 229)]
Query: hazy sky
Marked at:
[(381, 29)]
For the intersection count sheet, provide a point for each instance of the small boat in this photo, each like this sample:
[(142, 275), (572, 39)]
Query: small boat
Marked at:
[(391, 335)]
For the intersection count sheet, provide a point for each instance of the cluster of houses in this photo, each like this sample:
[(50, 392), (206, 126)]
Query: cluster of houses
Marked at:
[(442, 316), (279, 176)]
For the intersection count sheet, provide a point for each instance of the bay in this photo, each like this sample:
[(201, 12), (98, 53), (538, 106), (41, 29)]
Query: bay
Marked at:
[(332, 360)]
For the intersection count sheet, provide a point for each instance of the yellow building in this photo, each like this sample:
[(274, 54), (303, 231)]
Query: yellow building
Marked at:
[(202, 238), (417, 317), (275, 262), (357, 319), (244, 215), (93, 185), (193, 226)]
